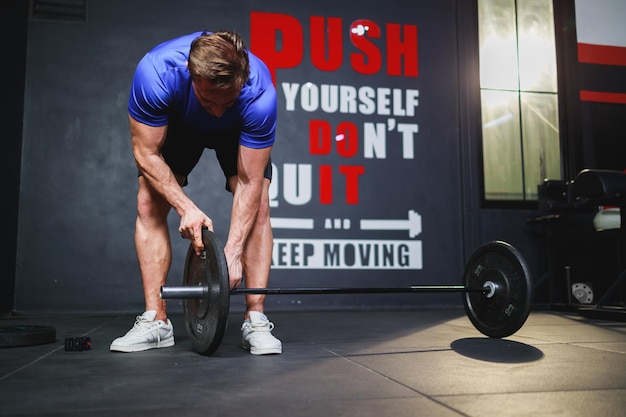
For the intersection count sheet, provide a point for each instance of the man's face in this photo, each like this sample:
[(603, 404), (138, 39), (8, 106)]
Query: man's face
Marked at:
[(215, 102)]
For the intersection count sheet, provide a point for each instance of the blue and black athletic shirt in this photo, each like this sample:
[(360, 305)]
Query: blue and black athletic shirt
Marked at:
[(161, 89)]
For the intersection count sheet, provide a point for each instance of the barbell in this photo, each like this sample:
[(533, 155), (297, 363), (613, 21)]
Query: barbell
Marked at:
[(497, 291)]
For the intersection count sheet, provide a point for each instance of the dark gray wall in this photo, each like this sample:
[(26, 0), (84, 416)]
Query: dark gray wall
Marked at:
[(77, 206)]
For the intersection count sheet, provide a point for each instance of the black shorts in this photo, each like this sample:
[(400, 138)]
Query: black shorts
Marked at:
[(184, 146)]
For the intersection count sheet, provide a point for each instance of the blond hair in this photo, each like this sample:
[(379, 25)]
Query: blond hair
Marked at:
[(221, 58)]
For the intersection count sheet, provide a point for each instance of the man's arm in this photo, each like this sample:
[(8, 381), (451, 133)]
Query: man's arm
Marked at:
[(251, 165), (147, 142)]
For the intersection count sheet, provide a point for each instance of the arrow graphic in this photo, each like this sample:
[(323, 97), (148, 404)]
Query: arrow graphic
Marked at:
[(413, 224)]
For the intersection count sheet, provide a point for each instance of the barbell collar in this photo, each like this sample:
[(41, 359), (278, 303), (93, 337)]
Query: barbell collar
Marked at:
[(184, 292)]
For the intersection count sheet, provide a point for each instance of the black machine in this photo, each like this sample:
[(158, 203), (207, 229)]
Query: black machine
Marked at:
[(586, 262)]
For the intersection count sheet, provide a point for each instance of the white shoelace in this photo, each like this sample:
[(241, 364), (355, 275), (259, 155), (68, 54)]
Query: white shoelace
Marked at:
[(146, 326), (262, 327)]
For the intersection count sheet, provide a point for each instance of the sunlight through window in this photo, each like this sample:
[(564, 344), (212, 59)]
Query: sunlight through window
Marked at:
[(519, 105)]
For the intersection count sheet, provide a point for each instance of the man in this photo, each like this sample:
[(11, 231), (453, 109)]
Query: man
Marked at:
[(203, 90)]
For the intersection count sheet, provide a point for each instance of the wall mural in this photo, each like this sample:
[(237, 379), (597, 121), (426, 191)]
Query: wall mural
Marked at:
[(368, 119)]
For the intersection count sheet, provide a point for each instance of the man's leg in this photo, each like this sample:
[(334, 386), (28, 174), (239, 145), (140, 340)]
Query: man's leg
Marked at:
[(152, 329), (153, 246), (257, 254), (256, 260)]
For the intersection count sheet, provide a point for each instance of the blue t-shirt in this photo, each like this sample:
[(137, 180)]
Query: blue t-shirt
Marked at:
[(162, 89)]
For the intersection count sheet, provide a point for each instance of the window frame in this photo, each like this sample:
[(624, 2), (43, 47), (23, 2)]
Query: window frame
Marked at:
[(528, 202)]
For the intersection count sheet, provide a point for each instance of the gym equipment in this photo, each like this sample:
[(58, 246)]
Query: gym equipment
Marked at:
[(26, 335), (497, 291)]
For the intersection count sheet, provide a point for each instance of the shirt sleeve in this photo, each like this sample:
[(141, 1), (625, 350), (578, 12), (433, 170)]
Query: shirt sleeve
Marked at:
[(259, 120), (149, 98)]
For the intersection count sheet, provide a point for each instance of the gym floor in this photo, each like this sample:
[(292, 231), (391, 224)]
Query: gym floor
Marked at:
[(357, 363)]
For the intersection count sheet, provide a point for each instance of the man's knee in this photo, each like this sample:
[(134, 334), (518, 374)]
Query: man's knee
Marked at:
[(150, 204)]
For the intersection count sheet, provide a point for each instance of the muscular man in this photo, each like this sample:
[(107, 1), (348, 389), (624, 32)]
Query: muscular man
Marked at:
[(202, 90)]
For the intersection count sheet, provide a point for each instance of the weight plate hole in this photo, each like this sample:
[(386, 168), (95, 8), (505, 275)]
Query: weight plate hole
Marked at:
[(492, 288)]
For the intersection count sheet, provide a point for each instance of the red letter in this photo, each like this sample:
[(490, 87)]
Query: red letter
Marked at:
[(319, 43), (320, 142), (263, 40), (352, 181), (360, 30), (397, 48), (326, 184), (347, 139)]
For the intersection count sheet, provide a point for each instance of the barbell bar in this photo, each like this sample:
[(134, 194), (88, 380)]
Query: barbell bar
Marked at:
[(497, 291), (186, 292)]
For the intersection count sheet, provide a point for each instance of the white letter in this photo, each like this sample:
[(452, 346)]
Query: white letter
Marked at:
[(348, 99), (309, 97), (397, 102), (407, 131), (366, 97), (411, 101), (291, 91), (374, 140), (383, 100), (330, 99), (297, 184)]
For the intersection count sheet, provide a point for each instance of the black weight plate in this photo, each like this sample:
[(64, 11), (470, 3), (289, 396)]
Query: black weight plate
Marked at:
[(206, 318), (507, 309), (26, 335)]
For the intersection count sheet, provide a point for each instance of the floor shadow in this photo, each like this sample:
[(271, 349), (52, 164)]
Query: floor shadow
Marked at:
[(496, 350)]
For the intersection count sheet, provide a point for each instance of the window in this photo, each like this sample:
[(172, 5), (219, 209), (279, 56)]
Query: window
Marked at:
[(518, 90)]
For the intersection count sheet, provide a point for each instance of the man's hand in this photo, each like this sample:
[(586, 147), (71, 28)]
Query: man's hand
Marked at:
[(191, 223)]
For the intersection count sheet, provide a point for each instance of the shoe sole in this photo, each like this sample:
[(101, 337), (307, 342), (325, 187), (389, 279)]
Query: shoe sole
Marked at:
[(264, 351), (141, 348)]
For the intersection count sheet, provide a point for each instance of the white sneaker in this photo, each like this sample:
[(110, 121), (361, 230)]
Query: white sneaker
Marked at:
[(257, 335), (146, 333)]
